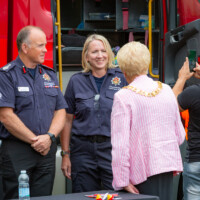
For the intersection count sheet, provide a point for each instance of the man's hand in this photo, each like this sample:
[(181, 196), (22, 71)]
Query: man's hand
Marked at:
[(41, 144), (131, 188), (66, 166), (197, 71), (183, 76), (44, 153), (184, 72)]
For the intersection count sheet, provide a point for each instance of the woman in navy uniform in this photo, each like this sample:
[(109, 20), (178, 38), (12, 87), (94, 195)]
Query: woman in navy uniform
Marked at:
[(89, 95)]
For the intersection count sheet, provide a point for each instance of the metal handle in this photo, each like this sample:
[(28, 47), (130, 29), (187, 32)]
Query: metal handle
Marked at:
[(176, 37), (150, 39)]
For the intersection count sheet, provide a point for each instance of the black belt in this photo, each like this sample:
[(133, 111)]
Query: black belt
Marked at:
[(94, 138)]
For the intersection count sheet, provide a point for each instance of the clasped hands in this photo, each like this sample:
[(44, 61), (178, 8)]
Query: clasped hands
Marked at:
[(41, 144)]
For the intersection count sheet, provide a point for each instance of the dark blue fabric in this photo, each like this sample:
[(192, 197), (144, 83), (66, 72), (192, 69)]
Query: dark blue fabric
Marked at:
[(99, 82), (1, 185), (91, 165), (33, 100), (41, 169), (80, 95), (32, 71), (160, 185)]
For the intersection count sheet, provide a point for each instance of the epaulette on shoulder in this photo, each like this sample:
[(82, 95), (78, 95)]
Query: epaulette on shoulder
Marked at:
[(117, 69), (8, 67), (77, 74), (46, 67)]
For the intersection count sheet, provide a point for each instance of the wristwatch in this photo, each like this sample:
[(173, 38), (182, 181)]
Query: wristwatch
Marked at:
[(52, 137), (63, 153)]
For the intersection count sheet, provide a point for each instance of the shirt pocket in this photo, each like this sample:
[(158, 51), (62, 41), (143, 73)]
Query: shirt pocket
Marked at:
[(109, 99), (84, 101), (110, 94), (24, 100), (51, 97)]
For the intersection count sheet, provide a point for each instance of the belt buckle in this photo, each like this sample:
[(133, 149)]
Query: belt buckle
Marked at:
[(94, 139)]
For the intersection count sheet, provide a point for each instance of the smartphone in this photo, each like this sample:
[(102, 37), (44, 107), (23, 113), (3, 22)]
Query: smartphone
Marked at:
[(192, 57)]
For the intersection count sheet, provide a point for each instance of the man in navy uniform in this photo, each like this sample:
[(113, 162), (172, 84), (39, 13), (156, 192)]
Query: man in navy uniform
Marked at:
[(1, 187), (32, 114)]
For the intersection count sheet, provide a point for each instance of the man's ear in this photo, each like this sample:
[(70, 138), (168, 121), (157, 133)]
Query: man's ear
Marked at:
[(24, 48)]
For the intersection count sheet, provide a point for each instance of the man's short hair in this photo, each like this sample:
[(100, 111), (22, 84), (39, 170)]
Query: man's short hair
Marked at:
[(23, 35)]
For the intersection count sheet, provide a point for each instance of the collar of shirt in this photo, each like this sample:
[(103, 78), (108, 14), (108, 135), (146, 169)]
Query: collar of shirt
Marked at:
[(109, 71), (19, 62)]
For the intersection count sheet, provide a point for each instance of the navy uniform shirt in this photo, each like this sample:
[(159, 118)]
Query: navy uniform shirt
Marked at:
[(34, 100), (92, 109)]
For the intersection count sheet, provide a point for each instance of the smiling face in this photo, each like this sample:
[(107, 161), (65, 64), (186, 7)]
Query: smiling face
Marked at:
[(36, 46), (97, 56)]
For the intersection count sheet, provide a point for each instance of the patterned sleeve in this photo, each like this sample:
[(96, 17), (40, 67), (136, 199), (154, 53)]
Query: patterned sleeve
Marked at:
[(179, 129), (120, 130)]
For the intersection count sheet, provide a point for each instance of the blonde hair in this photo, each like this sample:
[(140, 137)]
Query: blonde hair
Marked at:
[(134, 59), (86, 66)]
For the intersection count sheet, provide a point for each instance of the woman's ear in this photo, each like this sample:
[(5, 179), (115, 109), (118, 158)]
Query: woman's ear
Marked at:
[(124, 74)]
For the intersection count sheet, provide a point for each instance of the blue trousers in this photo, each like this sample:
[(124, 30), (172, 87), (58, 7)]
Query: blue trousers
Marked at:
[(191, 181), (91, 165)]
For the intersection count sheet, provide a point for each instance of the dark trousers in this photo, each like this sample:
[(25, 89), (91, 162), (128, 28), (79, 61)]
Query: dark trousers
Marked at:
[(1, 185), (91, 165), (160, 185), (17, 156)]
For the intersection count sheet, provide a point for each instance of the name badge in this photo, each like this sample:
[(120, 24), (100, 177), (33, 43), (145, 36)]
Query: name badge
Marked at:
[(23, 89)]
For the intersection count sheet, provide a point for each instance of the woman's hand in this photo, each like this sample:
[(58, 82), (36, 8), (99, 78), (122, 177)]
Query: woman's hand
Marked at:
[(132, 189), (66, 166)]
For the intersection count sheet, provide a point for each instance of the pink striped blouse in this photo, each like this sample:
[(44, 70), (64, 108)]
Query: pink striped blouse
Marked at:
[(145, 133)]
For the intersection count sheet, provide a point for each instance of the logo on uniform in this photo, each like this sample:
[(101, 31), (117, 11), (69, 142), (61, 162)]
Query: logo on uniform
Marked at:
[(46, 77), (1, 95), (116, 81)]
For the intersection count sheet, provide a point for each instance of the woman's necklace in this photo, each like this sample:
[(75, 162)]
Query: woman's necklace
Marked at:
[(143, 93)]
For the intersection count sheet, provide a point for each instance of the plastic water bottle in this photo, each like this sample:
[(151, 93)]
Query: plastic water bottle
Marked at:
[(24, 191)]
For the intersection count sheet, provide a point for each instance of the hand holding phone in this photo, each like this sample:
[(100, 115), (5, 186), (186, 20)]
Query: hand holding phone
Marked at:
[(192, 57)]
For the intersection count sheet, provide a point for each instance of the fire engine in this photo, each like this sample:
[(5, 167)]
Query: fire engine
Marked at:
[(170, 28)]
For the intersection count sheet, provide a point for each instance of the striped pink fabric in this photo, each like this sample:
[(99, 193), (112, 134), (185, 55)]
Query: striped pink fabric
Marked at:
[(145, 133)]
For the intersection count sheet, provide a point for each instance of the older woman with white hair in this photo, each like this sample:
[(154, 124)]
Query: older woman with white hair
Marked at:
[(146, 129)]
